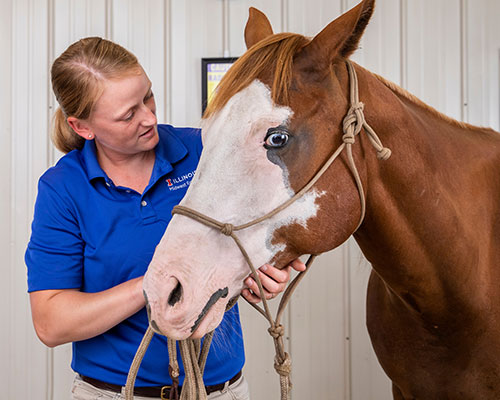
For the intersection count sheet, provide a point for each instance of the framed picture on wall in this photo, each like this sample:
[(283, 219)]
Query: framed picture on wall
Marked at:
[(212, 71)]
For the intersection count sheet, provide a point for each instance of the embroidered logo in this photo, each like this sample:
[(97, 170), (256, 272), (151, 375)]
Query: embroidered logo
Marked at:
[(180, 182)]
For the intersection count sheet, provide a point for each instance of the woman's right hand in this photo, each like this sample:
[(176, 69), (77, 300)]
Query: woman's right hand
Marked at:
[(69, 315)]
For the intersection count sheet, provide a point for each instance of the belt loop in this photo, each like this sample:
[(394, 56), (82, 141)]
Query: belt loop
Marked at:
[(226, 386)]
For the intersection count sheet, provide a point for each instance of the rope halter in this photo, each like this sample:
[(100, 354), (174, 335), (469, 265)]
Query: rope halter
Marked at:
[(353, 123)]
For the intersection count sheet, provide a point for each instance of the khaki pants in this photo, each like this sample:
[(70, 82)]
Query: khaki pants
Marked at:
[(84, 391)]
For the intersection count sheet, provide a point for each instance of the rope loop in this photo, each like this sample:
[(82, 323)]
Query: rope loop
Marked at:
[(173, 372), (384, 154), (276, 331), (227, 229), (285, 367), (348, 138)]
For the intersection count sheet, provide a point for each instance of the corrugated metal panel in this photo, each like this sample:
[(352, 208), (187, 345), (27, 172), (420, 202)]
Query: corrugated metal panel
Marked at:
[(446, 52)]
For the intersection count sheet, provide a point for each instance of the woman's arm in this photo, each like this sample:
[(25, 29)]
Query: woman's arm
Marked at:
[(68, 315)]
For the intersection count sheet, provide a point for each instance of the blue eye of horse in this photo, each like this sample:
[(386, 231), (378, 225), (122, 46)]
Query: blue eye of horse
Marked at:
[(276, 139)]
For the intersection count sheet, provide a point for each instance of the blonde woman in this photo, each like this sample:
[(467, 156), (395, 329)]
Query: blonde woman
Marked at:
[(99, 215)]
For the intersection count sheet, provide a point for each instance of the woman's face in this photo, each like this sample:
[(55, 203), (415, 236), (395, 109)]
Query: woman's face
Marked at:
[(123, 121)]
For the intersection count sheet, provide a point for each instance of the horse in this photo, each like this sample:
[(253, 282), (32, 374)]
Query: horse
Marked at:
[(428, 219)]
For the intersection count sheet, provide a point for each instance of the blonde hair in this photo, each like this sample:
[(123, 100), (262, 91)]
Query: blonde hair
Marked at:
[(273, 54), (77, 75)]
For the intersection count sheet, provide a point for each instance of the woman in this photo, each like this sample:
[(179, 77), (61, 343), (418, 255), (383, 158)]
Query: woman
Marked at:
[(98, 216)]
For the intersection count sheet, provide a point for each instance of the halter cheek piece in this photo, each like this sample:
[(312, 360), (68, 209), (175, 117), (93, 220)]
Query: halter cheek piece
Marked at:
[(354, 121)]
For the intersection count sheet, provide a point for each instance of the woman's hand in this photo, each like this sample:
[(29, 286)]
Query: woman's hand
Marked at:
[(273, 280)]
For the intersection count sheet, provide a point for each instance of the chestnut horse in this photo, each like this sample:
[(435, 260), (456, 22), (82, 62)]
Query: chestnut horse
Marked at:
[(431, 229)]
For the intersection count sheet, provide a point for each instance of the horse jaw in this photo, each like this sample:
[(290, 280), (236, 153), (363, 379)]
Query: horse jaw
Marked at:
[(235, 183)]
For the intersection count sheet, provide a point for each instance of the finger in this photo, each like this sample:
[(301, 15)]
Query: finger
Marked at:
[(249, 296), (269, 285), (279, 275), (298, 265)]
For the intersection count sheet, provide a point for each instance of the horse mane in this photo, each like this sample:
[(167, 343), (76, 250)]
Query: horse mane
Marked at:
[(272, 54), (275, 54), (414, 99)]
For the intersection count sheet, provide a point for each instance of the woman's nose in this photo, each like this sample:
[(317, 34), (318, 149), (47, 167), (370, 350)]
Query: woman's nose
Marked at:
[(149, 116)]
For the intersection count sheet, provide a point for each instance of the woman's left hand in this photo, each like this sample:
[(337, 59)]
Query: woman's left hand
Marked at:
[(273, 280)]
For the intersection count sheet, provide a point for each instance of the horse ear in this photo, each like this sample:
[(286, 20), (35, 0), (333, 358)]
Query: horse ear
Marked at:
[(258, 27), (340, 38)]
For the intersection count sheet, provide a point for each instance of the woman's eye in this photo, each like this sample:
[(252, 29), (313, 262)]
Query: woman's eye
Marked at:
[(276, 140)]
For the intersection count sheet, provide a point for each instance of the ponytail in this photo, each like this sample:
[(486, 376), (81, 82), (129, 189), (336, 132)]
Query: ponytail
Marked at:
[(63, 136)]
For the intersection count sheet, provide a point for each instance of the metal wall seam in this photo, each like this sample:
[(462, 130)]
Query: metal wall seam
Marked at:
[(464, 56), (225, 28), (88, 18), (167, 57), (344, 6), (50, 98), (130, 24), (146, 43), (403, 22), (12, 231), (109, 20), (285, 17), (346, 274), (50, 161), (29, 110)]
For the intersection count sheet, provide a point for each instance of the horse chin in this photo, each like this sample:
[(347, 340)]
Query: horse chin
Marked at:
[(211, 321), (194, 330)]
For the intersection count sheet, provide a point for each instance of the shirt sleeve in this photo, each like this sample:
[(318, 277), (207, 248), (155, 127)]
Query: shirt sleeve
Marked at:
[(54, 256)]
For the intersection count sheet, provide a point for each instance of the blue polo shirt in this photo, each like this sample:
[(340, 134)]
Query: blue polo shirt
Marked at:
[(91, 235)]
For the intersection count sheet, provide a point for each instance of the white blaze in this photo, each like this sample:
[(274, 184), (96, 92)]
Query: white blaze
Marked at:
[(235, 183)]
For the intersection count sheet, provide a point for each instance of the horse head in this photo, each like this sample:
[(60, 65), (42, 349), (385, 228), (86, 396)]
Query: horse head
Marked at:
[(276, 118)]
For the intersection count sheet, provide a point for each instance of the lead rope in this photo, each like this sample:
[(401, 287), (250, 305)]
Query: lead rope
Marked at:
[(194, 356), (352, 125)]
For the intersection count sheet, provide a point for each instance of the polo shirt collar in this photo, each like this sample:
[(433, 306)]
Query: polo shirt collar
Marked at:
[(168, 151), (89, 154)]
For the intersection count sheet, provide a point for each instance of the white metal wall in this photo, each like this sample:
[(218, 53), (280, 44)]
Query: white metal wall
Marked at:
[(444, 51)]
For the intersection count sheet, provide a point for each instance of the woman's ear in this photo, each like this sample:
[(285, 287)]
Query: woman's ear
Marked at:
[(80, 127), (258, 27)]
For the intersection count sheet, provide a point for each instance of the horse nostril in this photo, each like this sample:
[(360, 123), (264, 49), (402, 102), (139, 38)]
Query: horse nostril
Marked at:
[(175, 295)]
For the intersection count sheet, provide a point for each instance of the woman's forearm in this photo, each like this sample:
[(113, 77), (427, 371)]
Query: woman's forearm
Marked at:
[(62, 316)]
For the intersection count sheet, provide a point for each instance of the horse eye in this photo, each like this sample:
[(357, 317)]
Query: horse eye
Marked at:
[(276, 140)]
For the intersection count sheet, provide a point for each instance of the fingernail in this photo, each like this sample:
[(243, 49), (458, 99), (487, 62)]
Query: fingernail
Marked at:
[(263, 268), (249, 281)]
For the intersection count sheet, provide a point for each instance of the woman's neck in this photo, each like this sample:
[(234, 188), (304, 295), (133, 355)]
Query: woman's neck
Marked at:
[(127, 170)]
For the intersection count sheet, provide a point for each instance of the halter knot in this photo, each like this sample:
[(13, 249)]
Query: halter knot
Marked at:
[(276, 331), (227, 229), (384, 154), (285, 367), (354, 119)]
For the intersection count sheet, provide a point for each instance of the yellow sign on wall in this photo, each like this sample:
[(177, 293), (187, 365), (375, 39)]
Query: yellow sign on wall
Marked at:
[(213, 69)]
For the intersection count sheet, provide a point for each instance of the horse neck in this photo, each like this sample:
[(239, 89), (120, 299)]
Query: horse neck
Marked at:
[(432, 207)]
